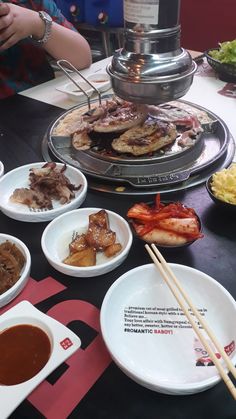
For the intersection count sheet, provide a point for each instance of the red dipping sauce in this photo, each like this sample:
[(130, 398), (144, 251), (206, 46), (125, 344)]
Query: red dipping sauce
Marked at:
[(24, 351)]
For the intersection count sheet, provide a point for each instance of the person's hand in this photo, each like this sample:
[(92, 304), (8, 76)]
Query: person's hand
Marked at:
[(17, 23)]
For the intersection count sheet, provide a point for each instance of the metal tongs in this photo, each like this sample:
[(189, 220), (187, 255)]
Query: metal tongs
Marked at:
[(68, 69)]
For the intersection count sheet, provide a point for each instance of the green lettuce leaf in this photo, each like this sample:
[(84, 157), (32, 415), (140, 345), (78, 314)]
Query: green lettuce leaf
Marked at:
[(226, 52)]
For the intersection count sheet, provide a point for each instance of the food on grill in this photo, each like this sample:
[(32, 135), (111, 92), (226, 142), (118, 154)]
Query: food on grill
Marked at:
[(146, 138), (113, 116), (81, 140), (170, 224), (45, 184), (223, 184), (12, 261), (117, 127), (122, 116), (99, 237)]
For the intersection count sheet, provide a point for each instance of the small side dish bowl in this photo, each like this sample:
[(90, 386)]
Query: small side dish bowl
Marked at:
[(74, 93), (226, 72), (58, 235), (18, 286), (219, 202), (19, 178), (1, 169), (177, 227), (100, 80)]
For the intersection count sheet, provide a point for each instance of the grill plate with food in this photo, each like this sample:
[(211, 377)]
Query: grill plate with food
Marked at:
[(198, 139)]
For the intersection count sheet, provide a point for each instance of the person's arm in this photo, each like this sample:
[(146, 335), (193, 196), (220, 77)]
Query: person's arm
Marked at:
[(17, 23)]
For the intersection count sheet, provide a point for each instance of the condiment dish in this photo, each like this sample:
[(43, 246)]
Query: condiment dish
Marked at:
[(74, 93), (101, 81), (15, 289), (63, 344), (59, 233)]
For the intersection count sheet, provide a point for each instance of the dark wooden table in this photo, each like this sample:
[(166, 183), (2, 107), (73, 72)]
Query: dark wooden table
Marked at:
[(96, 388)]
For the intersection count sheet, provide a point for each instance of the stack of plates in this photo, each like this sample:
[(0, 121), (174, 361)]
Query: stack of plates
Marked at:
[(151, 340)]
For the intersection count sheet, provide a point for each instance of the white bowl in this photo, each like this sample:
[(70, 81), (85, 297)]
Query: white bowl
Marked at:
[(64, 343), (1, 169), (149, 337), (58, 234), (100, 80), (18, 178), (10, 294), (74, 93)]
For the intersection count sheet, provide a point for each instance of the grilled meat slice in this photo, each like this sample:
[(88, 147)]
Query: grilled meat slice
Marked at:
[(146, 138), (81, 140), (121, 117)]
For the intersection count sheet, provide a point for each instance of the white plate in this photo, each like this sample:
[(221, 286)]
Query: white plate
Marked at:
[(18, 178), (149, 337), (1, 169), (64, 344), (101, 81)]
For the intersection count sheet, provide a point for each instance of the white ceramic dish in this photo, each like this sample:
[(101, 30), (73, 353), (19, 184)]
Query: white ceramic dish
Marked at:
[(1, 169), (18, 178), (58, 234), (99, 80), (10, 294), (149, 337), (74, 93), (64, 343)]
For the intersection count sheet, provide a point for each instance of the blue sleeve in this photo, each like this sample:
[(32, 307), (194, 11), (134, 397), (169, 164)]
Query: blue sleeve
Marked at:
[(51, 8)]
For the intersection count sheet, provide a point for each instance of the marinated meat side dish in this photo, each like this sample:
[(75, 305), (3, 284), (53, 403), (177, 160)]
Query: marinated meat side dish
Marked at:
[(12, 261), (98, 238), (46, 184)]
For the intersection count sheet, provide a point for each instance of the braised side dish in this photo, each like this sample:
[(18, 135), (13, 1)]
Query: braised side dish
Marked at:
[(99, 237), (25, 349), (165, 224), (45, 184), (12, 261)]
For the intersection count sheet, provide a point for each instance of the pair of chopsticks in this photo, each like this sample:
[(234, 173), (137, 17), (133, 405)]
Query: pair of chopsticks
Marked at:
[(183, 299)]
